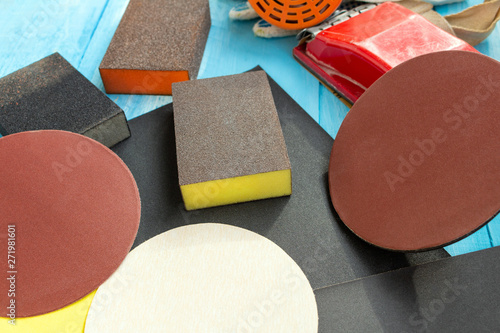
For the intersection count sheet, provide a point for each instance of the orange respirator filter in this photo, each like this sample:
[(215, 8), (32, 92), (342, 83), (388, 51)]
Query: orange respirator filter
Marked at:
[(294, 14)]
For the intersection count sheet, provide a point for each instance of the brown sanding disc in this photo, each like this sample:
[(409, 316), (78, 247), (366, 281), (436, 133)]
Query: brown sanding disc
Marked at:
[(416, 162), (76, 209)]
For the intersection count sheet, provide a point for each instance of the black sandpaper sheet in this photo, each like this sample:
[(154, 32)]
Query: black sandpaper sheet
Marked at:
[(304, 224), (52, 94), (458, 294)]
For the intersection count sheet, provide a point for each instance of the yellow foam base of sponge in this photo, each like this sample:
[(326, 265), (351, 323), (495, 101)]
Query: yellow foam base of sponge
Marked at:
[(238, 189), (68, 319)]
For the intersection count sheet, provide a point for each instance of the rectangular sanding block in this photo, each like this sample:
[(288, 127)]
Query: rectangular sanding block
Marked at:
[(303, 224), (458, 294), (52, 94), (156, 43), (230, 147)]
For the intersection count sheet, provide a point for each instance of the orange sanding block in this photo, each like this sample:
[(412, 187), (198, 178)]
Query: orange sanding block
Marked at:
[(230, 146), (156, 43)]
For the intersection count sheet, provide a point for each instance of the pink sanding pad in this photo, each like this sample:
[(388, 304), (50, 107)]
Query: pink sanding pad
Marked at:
[(416, 162), (76, 210)]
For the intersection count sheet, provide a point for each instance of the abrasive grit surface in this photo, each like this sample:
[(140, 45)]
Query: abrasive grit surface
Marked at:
[(165, 35), (415, 164), (457, 294), (75, 210), (52, 94), (227, 127)]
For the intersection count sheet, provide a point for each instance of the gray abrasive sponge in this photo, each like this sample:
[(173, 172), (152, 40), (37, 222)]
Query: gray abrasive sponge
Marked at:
[(230, 146), (52, 94), (156, 43)]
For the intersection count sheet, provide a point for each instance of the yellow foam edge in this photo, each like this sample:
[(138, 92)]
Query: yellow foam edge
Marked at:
[(70, 319), (238, 189)]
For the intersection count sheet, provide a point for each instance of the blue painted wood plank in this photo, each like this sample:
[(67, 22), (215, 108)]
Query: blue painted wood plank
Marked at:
[(332, 111), (32, 30), (456, 7), (494, 231), (479, 240)]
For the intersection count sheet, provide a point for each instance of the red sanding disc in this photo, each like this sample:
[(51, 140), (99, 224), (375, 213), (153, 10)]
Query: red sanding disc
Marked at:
[(416, 162), (75, 209)]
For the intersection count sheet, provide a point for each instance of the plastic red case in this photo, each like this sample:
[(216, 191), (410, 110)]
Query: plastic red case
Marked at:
[(350, 56)]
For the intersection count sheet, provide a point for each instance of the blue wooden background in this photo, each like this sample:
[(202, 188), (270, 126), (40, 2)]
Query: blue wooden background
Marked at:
[(81, 31)]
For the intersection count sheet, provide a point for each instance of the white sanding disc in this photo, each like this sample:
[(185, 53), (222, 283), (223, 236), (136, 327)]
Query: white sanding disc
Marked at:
[(205, 278)]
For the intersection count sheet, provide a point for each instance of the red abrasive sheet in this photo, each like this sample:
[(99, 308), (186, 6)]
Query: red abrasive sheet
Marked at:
[(416, 162), (76, 210)]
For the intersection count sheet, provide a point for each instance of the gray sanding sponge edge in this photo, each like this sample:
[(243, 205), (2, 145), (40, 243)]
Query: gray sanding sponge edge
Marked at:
[(52, 94)]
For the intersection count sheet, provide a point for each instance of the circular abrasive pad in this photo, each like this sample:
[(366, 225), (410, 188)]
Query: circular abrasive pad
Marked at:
[(416, 162), (294, 14), (75, 209), (205, 278)]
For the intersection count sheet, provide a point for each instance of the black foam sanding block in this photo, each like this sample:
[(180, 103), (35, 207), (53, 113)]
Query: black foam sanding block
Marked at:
[(230, 146), (458, 294), (156, 43), (304, 224), (52, 94)]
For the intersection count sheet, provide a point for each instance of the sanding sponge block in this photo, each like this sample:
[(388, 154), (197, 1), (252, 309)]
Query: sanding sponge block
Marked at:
[(157, 43), (52, 94), (230, 146)]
